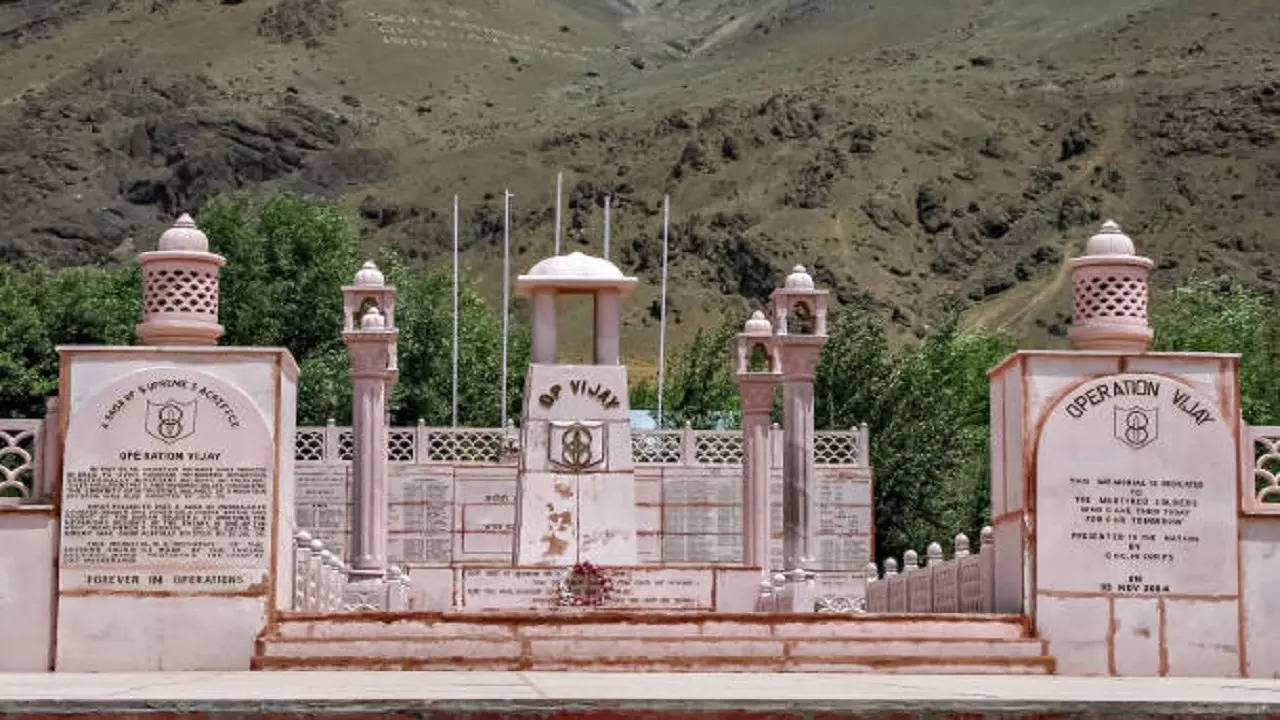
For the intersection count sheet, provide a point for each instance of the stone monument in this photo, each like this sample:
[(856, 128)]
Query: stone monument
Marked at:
[(176, 502), (1115, 476), (576, 490)]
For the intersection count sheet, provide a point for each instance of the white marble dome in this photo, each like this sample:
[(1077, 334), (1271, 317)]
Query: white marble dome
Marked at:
[(369, 274), (1110, 240), (757, 324), (184, 235), (576, 265), (799, 279)]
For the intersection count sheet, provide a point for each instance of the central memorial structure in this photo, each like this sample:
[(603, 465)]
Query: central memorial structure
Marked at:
[(169, 515), (576, 489)]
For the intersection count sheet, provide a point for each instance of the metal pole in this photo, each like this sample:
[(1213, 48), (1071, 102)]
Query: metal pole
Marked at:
[(455, 311), (606, 226), (662, 312), (559, 183), (506, 294)]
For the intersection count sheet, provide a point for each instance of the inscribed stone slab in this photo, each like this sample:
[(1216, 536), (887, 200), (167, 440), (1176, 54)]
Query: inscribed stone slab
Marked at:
[(1136, 491), (168, 478)]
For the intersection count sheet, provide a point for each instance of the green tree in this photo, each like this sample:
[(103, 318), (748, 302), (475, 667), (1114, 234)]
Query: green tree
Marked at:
[(926, 407), (1220, 315), (288, 257), (44, 308), (700, 388), (424, 315)]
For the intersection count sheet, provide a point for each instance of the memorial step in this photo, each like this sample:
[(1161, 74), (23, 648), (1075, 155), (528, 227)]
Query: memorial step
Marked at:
[(654, 642)]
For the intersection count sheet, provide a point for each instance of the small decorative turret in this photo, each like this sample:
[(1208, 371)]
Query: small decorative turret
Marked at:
[(757, 347), (180, 289), (798, 308), (1110, 287)]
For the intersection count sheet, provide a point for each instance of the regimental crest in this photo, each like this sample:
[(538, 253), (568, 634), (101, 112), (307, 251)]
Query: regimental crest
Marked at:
[(171, 421), (1136, 426), (575, 446)]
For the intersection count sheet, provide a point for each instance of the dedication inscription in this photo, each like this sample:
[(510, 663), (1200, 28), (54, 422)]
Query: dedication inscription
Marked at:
[(167, 487), (1136, 491)]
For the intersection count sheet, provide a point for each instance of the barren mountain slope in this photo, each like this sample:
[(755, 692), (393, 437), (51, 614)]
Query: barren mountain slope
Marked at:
[(907, 150)]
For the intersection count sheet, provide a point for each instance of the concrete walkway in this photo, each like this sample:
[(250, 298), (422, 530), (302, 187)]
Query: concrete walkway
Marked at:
[(440, 694)]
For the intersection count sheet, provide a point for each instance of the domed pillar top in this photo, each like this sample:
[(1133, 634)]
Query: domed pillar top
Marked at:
[(180, 289), (582, 274), (1110, 288)]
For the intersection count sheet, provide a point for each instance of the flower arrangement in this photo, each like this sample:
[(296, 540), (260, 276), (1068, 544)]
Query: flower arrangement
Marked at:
[(584, 585)]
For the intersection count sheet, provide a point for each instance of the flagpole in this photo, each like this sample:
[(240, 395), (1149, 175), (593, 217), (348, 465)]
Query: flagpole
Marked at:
[(559, 185), (662, 311), (455, 311), (606, 226), (506, 293)]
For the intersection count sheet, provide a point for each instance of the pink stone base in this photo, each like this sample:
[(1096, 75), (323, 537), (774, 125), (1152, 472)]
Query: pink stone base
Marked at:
[(619, 641)]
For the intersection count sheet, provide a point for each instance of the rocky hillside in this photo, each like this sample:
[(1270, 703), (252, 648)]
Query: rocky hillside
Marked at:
[(909, 151)]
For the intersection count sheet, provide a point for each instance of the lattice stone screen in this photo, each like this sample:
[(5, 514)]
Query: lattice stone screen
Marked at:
[(497, 446), (418, 444), (718, 448), (1110, 293), (1265, 447), (656, 446), (19, 448)]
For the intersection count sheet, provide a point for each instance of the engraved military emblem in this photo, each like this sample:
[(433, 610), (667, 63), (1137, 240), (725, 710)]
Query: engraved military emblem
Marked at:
[(171, 421), (1136, 426), (575, 446)]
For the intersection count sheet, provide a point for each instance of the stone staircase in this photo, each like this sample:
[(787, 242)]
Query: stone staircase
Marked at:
[(653, 641)]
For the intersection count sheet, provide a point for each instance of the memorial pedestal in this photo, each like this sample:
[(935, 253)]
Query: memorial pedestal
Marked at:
[(576, 488), (176, 505), (1124, 469)]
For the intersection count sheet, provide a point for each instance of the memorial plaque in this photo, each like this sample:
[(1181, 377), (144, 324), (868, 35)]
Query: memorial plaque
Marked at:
[(702, 519), (702, 548), (719, 490), (637, 588), (167, 488), (419, 515), (1136, 491)]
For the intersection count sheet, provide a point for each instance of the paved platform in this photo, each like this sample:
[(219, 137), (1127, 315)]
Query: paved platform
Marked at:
[(495, 695)]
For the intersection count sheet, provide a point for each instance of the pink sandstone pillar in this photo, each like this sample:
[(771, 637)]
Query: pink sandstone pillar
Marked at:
[(1110, 294), (755, 344), (608, 314), (800, 323), (180, 289), (371, 341), (544, 326)]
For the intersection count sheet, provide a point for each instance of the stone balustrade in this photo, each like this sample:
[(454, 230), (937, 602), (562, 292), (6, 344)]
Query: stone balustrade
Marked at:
[(423, 444), (318, 576), (963, 584), (320, 580)]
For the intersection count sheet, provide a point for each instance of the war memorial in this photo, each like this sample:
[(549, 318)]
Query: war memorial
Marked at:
[(170, 515)]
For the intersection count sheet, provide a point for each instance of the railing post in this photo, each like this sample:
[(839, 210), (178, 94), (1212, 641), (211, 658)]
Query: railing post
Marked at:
[(871, 575), (420, 442), (934, 561), (301, 564), (688, 445), (987, 567), (48, 470), (315, 576), (864, 445), (330, 450)]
